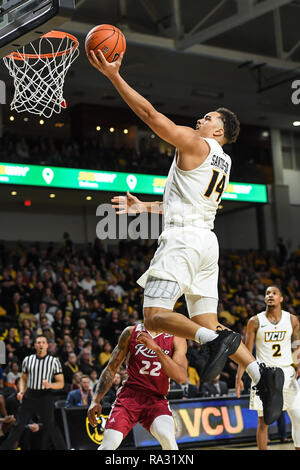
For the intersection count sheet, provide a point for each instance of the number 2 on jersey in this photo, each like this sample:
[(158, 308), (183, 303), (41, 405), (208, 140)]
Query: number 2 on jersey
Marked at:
[(213, 186), (277, 349)]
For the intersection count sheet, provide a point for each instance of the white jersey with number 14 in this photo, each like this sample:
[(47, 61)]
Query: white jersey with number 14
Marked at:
[(192, 197)]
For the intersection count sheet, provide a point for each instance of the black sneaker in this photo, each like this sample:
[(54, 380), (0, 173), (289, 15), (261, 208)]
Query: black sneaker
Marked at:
[(269, 390), (214, 354)]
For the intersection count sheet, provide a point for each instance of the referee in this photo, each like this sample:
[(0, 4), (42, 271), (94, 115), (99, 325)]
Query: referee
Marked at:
[(36, 398)]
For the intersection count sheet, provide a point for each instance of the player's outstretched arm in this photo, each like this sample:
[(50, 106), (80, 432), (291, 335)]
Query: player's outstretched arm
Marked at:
[(184, 138), (106, 378), (176, 366), (252, 327), (130, 204)]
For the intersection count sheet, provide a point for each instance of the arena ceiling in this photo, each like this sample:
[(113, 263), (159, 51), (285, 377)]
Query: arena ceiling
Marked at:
[(190, 56)]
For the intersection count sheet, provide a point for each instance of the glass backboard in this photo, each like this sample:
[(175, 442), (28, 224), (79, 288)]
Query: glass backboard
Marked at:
[(23, 21)]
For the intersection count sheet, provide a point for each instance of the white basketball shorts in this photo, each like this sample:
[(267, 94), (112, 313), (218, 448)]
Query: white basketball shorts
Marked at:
[(188, 257)]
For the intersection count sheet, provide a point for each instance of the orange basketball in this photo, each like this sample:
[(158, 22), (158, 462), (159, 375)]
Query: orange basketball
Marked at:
[(109, 39)]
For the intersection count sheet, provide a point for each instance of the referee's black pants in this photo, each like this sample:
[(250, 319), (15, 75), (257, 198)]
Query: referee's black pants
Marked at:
[(36, 402)]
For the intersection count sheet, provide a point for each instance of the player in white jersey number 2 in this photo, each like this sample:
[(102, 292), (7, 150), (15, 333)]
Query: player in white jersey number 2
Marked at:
[(186, 261), (273, 333)]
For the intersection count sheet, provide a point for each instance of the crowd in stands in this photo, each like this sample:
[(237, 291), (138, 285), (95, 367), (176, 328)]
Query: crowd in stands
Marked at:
[(89, 154), (93, 154), (82, 297)]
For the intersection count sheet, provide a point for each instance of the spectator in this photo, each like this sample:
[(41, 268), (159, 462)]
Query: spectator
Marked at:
[(116, 288), (83, 330), (45, 329), (26, 314), (26, 347), (43, 313), (57, 324), (13, 374), (113, 326), (52, 347), (87, 283), (93, 379), (12, 340), (85, 362), (81, 396), (104, 356), (76, 380), (70, 368), (14, 306), (97, 311), (66, 349)]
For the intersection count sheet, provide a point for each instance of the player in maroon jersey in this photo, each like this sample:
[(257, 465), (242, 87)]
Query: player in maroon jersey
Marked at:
[(152, 360)]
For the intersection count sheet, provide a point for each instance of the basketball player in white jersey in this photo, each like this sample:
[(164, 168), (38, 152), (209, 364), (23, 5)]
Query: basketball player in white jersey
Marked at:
[(186, 261), (273, 332)]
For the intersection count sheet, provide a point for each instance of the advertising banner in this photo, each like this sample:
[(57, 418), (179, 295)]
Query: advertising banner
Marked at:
[(92, 180), (199, 422), (209, 421)]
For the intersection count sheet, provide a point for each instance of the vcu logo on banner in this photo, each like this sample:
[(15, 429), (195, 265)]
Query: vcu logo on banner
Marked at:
[(96, 434)]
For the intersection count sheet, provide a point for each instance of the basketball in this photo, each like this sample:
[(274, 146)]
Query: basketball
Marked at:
[(109, 39)]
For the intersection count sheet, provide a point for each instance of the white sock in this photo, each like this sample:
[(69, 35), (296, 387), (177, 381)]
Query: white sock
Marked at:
[(204, 335), (253, 371)]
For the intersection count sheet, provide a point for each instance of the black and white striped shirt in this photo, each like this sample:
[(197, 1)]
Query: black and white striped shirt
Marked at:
[(38, 369)]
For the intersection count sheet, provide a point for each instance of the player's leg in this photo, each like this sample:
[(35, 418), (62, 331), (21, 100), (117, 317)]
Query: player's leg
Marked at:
[(159, 299), (123, 416), (268, 381), (262, 434), (163, 429), (111, 439), (295, 420), (161, 319)]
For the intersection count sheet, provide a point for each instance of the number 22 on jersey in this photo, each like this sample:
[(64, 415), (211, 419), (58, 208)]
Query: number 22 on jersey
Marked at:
[(146, 369), (215, 185)]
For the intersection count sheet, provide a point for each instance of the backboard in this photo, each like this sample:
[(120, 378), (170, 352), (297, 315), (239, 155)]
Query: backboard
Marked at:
[(23, 21)]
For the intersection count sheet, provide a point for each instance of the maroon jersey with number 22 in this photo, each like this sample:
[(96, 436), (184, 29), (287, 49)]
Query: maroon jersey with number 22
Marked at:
[(144, 369)]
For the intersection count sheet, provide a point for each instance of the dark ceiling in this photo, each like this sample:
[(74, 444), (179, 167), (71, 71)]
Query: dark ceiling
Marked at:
[(189, 56)]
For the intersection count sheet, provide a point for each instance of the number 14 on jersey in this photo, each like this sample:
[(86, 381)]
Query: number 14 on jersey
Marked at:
[(215, 185)]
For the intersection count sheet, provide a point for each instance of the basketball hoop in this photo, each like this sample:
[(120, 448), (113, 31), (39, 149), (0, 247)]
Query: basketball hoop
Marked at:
[(39, 70)]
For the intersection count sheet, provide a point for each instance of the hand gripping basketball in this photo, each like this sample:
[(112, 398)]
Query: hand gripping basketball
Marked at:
[(109, 69)]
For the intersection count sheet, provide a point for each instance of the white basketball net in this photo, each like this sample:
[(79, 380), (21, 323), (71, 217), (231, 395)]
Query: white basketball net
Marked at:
[(39, 70)]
